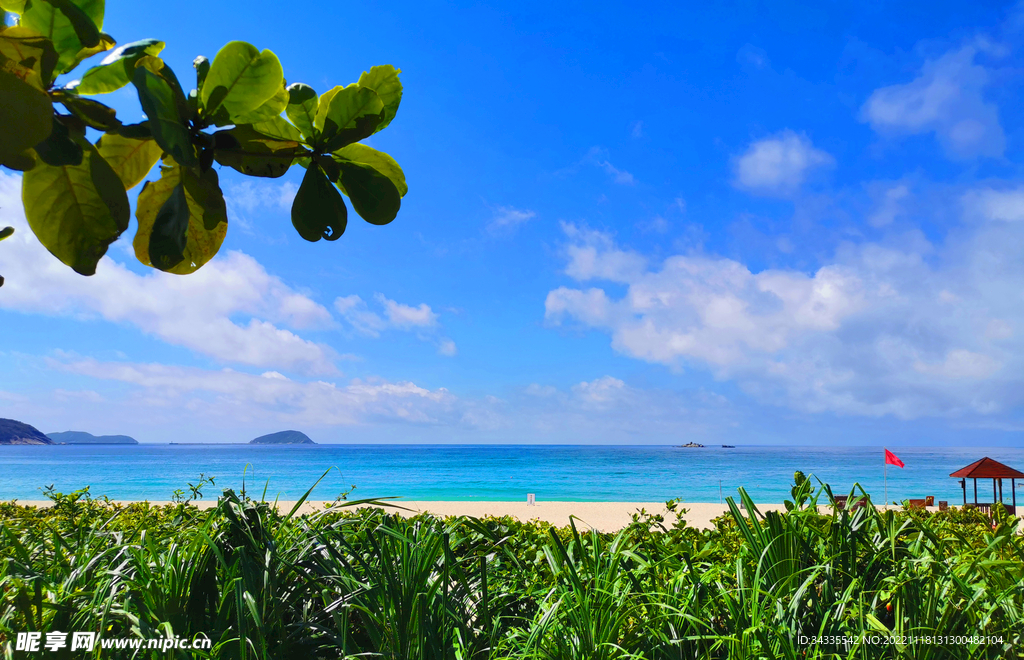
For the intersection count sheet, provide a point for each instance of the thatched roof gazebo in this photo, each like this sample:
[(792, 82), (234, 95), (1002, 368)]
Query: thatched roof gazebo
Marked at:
[(987, 468)]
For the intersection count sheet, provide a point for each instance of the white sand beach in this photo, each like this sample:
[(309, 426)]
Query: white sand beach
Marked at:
[(603, 516)]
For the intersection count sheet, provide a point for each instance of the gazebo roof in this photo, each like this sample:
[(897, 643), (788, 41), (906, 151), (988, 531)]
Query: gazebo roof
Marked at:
[(986, 468)]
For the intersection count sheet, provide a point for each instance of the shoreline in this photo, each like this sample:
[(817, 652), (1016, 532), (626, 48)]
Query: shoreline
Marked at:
[(603, 516)]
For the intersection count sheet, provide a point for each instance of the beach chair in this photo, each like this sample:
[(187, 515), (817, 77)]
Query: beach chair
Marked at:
[(842, 501), (929, 501), (943, 505)]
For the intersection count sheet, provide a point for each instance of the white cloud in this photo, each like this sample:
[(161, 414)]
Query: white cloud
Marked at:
[(998, 329), (353, 309), (593, 254), (158, 402), (231, 395), (637, 129), (960, 364), (508, 217), (599, 157), (87, 396), (393, 315), (879, 331), (601, 391), (778, 165), (947, 98), (249, 195), (715, 310), (990, 204), (406, 317), (657, 225), (229, 310), (533, 389), (608, 409), (889, 204)]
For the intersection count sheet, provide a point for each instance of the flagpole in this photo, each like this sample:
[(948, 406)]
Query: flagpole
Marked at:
[(885, 479)]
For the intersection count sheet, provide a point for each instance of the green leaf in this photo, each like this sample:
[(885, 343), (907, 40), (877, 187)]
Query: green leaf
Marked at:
[(13, 6), (302, 107), (106, 43), (373, 195), (28, 55), (26, 115), (240, 80), (86, 27), (72, 25), (93, 113), (164, 104), (116, 69), (318, 210), (168, 238), (76, 211), (21, 162), (384, 80), (254, 154), (207, 219), (273, 107), (378, 160), (60, 147), (323, 104), (140, 131), (130, 159), (279, 129), (351, 114)]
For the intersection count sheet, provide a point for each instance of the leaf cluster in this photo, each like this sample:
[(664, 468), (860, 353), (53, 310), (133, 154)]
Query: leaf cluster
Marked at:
[(241, 114)]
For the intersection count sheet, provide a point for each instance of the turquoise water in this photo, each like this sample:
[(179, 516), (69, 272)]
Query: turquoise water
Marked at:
[(477, 472)]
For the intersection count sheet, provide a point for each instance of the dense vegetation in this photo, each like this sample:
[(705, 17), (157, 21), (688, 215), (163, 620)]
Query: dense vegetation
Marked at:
[(367, 583)]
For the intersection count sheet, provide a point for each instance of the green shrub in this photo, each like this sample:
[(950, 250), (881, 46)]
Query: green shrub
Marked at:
[(362, 582)]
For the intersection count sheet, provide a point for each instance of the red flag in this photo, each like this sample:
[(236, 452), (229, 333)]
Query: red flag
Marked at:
[(892, 459)]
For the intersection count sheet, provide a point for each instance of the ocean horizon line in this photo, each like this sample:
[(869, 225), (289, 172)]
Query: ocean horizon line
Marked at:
[(449, 472), (714, 445)]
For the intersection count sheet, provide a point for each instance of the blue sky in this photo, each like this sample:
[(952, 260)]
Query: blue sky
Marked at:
[(744, 224)]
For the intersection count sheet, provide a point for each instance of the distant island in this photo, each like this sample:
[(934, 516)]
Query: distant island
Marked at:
[(690, 444), (83, 438), (283, 438), (13, 432)]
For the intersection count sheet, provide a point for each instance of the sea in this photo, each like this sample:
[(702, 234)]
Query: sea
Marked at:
[(584, 473)]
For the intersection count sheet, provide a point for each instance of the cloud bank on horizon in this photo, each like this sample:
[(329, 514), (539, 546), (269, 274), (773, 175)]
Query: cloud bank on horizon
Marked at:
[(786, 272)]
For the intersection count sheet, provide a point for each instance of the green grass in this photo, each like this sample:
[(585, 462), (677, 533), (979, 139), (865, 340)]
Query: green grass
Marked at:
[(370, 584)]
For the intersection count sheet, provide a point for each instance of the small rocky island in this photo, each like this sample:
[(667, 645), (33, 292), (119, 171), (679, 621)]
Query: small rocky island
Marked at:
[(283, 438), (691, 444), (83, 438), (13, 432)]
